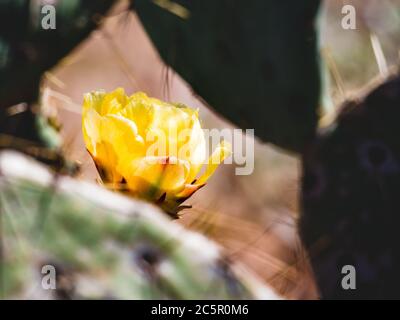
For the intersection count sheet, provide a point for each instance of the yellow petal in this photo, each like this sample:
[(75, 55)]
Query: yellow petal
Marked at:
[(105, 103), (93, 100), (113, 102), (188, 191), (106, 161), (91, 123), (197, 151), (139, 110), (221, 152), (123, 135), (166, 175)]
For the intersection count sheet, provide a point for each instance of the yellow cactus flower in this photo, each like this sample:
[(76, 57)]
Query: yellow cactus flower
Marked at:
[(149, 148)]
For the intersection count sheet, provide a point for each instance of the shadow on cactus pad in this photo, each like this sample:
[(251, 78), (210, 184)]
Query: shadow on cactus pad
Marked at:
[(350, 197), (255, 62)]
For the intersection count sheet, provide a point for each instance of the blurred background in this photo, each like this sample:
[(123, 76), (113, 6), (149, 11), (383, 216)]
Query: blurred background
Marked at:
[(253, 217)]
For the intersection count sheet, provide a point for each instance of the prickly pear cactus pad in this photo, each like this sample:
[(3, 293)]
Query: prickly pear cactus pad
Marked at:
[(255, 62), (350, 197), (101, 244)]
